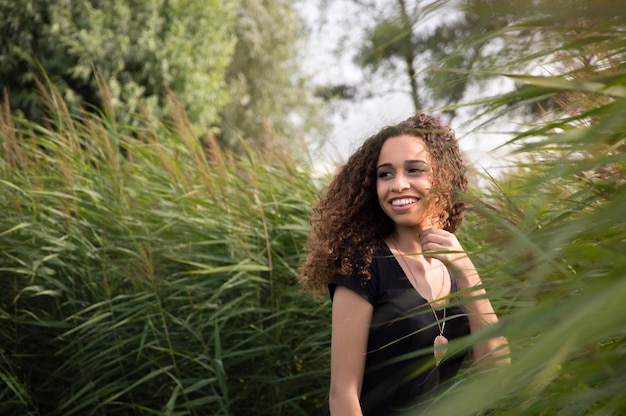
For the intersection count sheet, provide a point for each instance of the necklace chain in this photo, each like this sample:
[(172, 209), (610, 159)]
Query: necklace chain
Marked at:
[(440, 343), (440, 324)]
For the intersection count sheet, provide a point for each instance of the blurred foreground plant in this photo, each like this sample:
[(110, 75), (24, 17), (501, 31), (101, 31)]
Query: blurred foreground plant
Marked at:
[(550, 233)]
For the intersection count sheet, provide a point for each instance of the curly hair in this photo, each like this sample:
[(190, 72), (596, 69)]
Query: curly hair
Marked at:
[(348, 222)]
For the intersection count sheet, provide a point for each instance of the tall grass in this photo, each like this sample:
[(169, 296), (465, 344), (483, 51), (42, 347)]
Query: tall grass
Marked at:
[(550, 241), (549, 235), (145, 272)]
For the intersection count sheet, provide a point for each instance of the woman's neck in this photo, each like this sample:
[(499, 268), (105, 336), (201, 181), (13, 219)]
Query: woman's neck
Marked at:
[(406, 240)]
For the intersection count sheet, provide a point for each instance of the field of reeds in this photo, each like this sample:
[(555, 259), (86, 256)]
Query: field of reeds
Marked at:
[(144, 271)]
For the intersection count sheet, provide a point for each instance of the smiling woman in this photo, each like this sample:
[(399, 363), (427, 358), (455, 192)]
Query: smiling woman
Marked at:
[(383, 244), (403, 180)]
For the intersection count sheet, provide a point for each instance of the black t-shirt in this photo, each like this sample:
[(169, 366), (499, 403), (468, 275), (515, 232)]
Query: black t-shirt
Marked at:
[(402, 324)]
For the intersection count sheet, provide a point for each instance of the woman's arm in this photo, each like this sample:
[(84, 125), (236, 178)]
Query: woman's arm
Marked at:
[(487, 353), (490, 352), (351, 318)]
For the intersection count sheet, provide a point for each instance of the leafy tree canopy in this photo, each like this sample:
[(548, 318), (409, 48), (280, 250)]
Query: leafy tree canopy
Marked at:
[(142, 49), (233, 65), (443, 52), (270, 93)]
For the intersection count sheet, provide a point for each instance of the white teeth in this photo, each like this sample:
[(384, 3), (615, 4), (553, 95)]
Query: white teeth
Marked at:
[(403, 201)]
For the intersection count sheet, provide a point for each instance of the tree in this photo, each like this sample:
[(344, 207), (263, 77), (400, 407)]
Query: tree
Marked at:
[(141, 49), (438, 51), (401, 40), (441, 49), (393, 38), (234, 66), (270, 94)]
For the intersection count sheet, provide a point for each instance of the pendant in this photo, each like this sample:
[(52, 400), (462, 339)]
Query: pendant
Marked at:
[(440, 349)]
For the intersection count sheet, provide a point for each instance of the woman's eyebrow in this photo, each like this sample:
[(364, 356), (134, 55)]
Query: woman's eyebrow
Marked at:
[(406, 162)]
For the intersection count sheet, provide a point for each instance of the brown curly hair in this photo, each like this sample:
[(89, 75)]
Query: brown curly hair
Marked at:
[(348, 222)]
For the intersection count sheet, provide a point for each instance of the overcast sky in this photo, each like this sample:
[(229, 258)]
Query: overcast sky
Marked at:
[(358, 120)]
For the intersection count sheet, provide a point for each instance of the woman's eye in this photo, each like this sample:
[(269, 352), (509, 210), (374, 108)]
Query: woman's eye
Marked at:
[(417, 170), (384, 174)]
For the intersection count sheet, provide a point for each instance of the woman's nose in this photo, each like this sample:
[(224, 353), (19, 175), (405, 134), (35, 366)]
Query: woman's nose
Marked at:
[(400, 184)]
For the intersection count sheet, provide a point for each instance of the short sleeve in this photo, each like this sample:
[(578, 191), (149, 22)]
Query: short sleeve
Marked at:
[(354, 283)]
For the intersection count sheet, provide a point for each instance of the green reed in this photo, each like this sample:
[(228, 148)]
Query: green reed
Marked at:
[(144, 271)]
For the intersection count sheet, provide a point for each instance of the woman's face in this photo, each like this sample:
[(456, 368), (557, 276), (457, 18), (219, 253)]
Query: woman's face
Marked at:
[(403, 181)]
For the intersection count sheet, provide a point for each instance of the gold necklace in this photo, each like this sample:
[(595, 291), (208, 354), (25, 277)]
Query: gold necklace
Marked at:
[(440, 340)]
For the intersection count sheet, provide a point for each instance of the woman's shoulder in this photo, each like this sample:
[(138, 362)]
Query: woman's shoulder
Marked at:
[(365, 285)]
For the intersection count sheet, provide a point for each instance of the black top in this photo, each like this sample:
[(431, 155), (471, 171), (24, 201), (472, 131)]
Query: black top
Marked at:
[(402, 324)]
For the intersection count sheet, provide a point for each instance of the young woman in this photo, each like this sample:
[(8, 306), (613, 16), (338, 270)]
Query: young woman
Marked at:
[(383, 244)]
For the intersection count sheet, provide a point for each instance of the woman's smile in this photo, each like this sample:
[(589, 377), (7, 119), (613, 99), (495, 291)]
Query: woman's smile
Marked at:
[(403, 179), (404, 205), (403, 202)]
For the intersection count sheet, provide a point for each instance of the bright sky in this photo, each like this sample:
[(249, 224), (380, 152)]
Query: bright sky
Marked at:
[(358, 120)]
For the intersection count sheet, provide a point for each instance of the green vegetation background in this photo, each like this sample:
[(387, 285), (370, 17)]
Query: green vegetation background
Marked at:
[(147, 269)]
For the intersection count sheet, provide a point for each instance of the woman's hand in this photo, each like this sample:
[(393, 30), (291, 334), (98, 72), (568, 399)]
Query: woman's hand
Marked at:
[(443, 246)]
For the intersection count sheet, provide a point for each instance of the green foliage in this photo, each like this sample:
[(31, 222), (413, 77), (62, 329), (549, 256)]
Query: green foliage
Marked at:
[(550, 235), (387, 40), (141, 49), (271, 94), (147, 273), (391, 43), (446, 51), (233, 65), (400, 41), (557, 274)]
